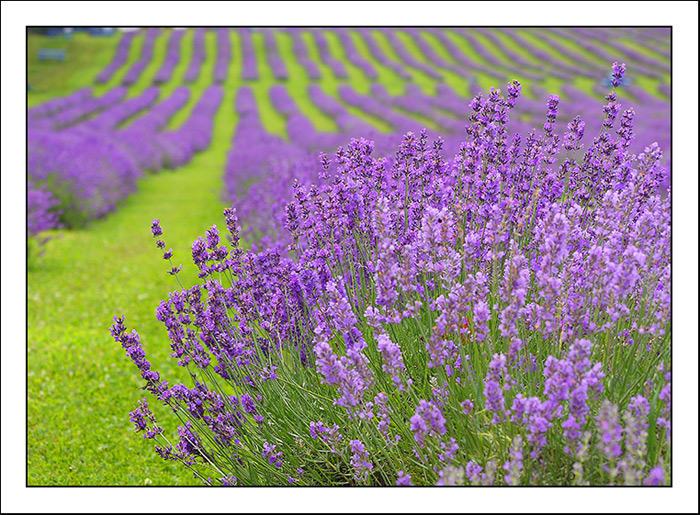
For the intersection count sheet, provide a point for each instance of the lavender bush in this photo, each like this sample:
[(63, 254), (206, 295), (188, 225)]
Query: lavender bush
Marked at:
[(41, 212), (501, 317)]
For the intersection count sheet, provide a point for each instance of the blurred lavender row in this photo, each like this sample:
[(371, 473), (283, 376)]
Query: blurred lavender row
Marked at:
[(279, 69), (223, 55), (301, 52), (58, 104), (42, 214), (429, 52), (407, 57), (354, 57), (119, 113), (333, 108), (87, 168), (134, 72), (87, 107), (120, 57), (252, 146), (196, 133), (250, 64), (526, 70), (379, 55), (334, 64), (300, 130), (468, 65), (197, 57), (172, 57)]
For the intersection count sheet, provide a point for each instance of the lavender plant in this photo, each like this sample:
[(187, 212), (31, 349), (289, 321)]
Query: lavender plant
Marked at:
[(501, 317)]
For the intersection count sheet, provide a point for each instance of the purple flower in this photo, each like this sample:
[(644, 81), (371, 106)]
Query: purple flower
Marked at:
[(427, 421), (618, 72), (391, 354), (656, 477), (248, 404), (274, 458), (403, 479), (359, 460), (155, 228)]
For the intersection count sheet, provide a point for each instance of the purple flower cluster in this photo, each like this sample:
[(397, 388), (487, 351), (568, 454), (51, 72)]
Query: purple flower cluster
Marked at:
[(359, 462), (273, 458), (144, 420), (427, 421), (501, 276)]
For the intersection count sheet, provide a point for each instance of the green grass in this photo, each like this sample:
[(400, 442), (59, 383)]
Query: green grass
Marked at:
[(85, 58), (81, 386)]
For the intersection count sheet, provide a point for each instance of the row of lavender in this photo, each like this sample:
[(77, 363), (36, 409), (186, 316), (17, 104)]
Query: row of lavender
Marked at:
[(595, 46), (84, 156), (653, 113)]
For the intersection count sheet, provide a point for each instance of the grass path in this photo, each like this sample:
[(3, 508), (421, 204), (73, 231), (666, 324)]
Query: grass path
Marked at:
[(79, 380), (80, 383)]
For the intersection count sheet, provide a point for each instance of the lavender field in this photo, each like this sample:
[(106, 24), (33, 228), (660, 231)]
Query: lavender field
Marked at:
[(350, 256)]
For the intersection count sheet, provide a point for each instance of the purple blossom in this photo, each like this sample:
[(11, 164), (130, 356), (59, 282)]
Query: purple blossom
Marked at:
[(359, 460), (427, 421), (403, 479), (274, 458)]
